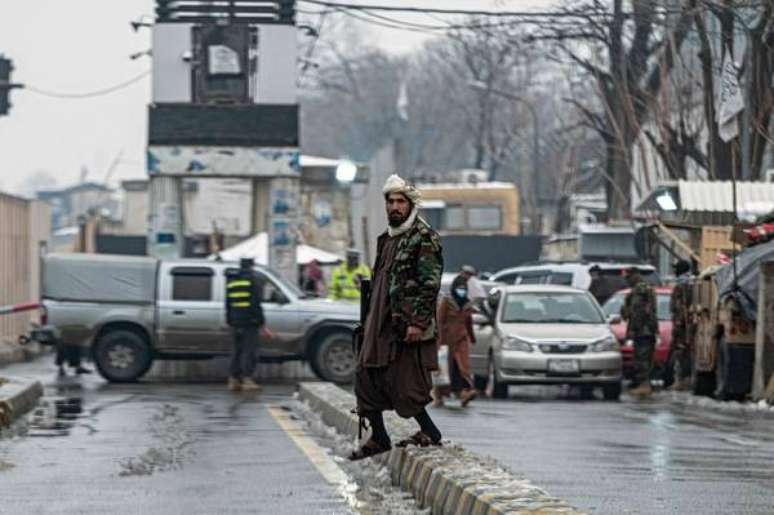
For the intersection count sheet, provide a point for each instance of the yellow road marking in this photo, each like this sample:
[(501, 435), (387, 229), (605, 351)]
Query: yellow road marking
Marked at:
[(321, 460)]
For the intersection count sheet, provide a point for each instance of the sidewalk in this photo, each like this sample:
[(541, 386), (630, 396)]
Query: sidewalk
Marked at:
[(17, 395)]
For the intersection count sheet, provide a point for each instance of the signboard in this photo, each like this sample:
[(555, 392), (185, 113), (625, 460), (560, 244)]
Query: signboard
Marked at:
[(211, 161), (223, 60)]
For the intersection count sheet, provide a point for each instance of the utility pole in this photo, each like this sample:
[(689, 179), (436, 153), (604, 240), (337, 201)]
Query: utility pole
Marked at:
[(6, 67)]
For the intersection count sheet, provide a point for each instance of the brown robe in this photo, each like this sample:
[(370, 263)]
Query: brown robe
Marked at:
[(391, 374), (455, 329)]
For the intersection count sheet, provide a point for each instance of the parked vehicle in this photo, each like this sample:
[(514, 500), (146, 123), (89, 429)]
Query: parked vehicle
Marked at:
[(540, 334), (662, 368), (575, 274), (128, 311)]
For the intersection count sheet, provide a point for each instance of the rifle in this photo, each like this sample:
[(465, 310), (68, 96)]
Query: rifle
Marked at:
[(365, 299)]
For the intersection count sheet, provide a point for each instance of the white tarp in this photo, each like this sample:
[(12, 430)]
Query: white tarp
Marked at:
[(99, 278), (257, 248)]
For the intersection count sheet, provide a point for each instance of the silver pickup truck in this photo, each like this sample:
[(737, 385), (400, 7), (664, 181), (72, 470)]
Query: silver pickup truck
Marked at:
[(129, 311)]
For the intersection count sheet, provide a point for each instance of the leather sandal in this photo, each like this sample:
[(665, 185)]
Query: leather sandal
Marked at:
[(369, 449), (419, 439)]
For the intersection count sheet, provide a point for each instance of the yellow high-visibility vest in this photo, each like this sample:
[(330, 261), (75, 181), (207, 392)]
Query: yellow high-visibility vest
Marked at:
[(345, 283)]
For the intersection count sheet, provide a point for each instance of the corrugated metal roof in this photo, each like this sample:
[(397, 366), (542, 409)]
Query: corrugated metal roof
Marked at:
[(717, 196)]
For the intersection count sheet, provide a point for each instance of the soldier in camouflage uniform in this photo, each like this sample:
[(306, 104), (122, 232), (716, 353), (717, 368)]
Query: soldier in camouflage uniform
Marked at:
[(399, 340), (639, 311), (680, 305)]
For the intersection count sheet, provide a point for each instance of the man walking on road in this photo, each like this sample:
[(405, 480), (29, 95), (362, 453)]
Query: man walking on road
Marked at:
[(245, 316), (639, 311), (399, 341), (680, 305)]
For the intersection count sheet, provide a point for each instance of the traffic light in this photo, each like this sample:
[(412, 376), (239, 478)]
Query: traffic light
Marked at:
[(6, 67)]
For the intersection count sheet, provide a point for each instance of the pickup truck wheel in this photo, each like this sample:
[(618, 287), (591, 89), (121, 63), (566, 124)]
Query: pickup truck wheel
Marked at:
[(122, 356), (333, 359)]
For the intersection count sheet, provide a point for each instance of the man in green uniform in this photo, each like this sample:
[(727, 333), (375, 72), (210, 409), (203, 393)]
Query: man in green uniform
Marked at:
[(680, 305), (639, 311), (399, 341)]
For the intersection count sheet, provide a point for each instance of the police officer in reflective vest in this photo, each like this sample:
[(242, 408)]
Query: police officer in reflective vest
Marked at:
[(345, 278), (245, 316)]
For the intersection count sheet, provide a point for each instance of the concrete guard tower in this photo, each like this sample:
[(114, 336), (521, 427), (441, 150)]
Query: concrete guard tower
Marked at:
[(224, 105)]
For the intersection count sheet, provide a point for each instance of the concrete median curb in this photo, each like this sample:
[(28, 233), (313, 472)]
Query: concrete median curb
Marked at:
[(450, 479), (17, 398)]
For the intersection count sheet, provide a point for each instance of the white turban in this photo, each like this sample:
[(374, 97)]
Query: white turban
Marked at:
[(395, 184)]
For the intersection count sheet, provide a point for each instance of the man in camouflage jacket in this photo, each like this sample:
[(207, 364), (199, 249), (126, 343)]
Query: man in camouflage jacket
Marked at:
[(639, 311), (682, 329), (399, 338)]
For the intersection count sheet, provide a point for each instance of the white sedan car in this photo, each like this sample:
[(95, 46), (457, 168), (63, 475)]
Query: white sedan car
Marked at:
[(541, 334)]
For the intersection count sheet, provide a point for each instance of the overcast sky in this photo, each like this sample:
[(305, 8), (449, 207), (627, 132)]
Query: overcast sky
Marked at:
[(77, 46)]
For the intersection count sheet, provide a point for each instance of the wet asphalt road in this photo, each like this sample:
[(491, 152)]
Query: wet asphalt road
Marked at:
[(157, 448), (647, 457), (195, 448)]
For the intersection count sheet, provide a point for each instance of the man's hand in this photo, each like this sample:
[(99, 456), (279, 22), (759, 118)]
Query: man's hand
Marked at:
[(266, 333), (413, 334)]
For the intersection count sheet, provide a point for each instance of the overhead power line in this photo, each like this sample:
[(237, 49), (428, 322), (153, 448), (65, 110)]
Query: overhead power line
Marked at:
[(89, 94), (426, 10)]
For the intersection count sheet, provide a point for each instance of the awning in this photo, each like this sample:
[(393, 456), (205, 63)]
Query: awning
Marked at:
[(257, 248), (709, 202)]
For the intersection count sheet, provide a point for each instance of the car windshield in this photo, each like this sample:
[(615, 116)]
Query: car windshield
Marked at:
[(551, 307), (613, 306)]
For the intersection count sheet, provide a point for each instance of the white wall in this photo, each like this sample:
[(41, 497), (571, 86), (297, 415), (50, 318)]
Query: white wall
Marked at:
[(171, 75), (276, 64)]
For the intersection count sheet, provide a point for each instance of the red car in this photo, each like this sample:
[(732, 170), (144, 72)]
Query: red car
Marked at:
[(663, 344)]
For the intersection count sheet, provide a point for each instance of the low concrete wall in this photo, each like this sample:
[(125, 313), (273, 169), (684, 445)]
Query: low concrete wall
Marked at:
[(17, 398), (449, 480)]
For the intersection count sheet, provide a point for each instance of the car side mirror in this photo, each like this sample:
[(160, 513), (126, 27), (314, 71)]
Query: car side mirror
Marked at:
[(614, 319), (493, 300)]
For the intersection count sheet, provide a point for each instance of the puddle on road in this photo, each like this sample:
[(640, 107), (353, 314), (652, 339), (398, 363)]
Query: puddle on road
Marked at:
[(55, 417)]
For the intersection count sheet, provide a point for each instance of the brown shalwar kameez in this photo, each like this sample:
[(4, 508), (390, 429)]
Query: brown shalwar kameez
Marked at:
[(390, 373)]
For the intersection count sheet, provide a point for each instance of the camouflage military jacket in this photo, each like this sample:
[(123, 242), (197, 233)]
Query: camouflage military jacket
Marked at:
[(680, 301), (639, 311), (414, 278)]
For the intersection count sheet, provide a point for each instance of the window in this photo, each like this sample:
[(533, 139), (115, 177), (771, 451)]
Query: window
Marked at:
[(455, 218), (191, 287), (269, 291), (551, 308), (484, 218), (533, 278), (563, 278)]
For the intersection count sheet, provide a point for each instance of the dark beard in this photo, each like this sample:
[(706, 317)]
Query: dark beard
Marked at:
[(398, 220)]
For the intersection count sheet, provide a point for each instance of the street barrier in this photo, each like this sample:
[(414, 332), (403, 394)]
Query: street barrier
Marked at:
[(18, 308), (448, 480)]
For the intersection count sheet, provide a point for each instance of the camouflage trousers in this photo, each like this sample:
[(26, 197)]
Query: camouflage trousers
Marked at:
[(644, 347), (681, 352)]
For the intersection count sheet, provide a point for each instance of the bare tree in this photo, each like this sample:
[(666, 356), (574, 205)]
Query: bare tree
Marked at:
[(627, 48)]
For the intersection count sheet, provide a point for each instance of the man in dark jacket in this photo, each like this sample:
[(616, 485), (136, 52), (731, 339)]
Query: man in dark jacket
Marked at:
[(639, 311), (245, 315), (399, 342)]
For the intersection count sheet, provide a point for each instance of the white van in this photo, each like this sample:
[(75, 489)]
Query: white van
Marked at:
[(572, 274)]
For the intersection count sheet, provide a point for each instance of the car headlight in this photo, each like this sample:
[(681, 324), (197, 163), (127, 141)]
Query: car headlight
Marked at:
[(513, 343), (605, 345)]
